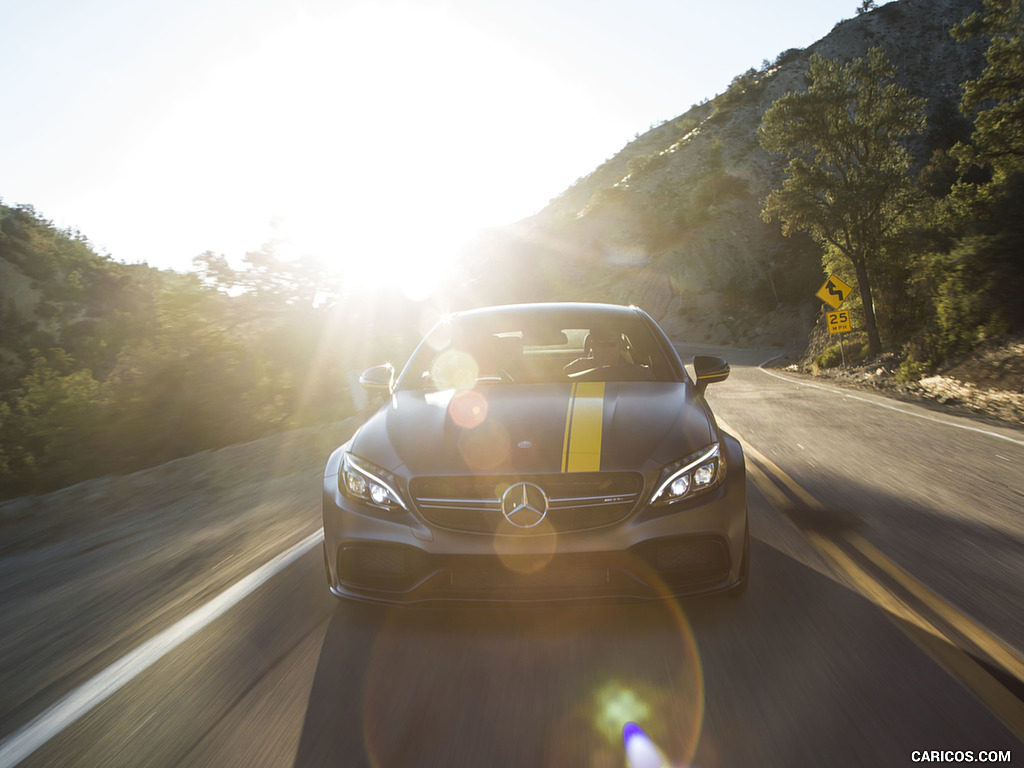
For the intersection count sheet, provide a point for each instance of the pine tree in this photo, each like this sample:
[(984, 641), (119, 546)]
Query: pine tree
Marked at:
[(998, 95)]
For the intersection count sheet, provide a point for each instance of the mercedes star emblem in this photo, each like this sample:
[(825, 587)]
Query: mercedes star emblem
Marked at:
[(524, 505)]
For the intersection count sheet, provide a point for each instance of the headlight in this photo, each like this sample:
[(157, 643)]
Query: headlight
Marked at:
[(690, 476), (359, 479)]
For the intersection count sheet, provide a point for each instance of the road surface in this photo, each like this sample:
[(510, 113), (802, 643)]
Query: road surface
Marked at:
[(883, 622)]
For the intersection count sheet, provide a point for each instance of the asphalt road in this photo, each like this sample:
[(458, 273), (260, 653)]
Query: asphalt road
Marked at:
[(883, 619)]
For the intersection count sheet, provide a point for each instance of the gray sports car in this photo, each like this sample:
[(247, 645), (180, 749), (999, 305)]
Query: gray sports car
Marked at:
[(538, 452)]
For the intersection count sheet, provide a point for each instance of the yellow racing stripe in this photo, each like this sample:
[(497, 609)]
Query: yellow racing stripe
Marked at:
[(581, 448), (568, 426)]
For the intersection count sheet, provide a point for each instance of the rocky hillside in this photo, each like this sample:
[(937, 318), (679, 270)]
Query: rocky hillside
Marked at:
[(672, 222)]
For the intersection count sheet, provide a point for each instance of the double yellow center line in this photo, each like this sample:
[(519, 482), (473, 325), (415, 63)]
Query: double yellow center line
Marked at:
[(939, 629)]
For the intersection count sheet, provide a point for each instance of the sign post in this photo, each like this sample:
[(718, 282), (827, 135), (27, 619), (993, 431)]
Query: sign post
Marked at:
[(834, 293)]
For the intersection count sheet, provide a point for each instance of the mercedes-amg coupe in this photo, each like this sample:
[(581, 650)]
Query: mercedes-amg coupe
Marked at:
[(538, 452)]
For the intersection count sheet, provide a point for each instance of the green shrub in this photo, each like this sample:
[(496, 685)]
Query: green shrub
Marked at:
[(830, 358), (910, 370)]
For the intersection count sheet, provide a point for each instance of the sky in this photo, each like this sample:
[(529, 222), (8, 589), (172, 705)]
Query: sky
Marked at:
[(375, 135)]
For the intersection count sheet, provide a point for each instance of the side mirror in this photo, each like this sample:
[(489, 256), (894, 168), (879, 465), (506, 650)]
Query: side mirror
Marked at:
[(709, 370), (378, 380)]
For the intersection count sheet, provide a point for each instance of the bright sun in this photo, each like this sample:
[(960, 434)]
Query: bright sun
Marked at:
[(379, 141)]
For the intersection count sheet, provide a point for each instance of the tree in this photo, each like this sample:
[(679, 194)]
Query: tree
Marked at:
[(848, 181), (52, 426), (998, 95), (981, 278)]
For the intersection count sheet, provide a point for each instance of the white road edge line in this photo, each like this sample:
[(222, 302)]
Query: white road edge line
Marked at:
[(78, 702), (845, 393)]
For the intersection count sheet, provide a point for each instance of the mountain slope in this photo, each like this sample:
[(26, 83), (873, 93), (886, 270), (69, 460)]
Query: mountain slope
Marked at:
[(672, 221)]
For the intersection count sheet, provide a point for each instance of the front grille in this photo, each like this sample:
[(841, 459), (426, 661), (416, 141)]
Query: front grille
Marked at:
[(577, 500)]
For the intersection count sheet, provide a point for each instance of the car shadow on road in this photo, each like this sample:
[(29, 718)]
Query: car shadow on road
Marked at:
[(801, 671), (972, 563)]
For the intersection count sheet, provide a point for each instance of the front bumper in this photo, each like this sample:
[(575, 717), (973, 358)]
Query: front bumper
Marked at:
[(696, 550)]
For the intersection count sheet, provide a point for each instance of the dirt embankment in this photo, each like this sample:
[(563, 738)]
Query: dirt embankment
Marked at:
[(989, 384)]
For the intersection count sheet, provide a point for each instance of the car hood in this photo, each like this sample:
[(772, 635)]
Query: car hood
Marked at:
[(519, 429)]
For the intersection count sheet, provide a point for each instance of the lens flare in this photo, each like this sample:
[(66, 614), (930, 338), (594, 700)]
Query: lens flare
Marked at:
[(436, 327), (486, 447), (572, 685), (526, 554), (641, 752), (454, 369), (618, 704), (468, 408)]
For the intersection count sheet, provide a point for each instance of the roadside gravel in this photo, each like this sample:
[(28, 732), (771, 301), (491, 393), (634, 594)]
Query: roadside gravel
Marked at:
[(989, 385)]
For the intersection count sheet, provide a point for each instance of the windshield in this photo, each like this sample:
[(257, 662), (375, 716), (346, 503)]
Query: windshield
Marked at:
[(539, 347)]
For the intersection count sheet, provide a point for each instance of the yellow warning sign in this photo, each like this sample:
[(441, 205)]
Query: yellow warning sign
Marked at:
[(834, 292)]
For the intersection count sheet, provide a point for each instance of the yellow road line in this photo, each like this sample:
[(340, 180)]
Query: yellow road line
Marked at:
[(929, 638), (868, 586), (771, 466), (768, 489), (986, 642), (923, 632)]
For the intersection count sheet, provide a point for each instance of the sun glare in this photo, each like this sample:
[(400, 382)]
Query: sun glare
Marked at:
[(380, 139)]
